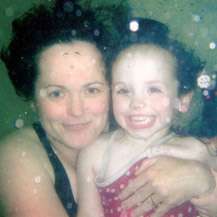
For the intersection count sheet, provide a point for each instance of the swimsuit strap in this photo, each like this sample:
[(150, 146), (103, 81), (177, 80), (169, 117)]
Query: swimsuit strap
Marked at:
[(62, 184)]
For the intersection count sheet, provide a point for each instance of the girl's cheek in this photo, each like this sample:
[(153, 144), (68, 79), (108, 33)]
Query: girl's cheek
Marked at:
[(161, 102)]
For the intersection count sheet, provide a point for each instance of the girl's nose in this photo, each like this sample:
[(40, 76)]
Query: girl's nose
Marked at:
[(138, 103)]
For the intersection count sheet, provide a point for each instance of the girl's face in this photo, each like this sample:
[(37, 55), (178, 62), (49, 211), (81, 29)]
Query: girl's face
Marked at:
[(72, 94), (144, 90)]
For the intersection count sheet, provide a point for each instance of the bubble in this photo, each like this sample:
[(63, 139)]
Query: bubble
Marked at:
[(96, 32), (88, 179), (35, 191), (196, 18), (23, 154), (134, 26), (206, 93), (37, 179), (212, 45), (9, 12), (203, 81), (191, 34), (69, 205), (42, 93), (19, 123), (74, 32), (78, 13), (68, 6)]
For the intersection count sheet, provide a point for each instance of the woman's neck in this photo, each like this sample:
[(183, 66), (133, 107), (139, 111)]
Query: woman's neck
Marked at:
[(66, 154)]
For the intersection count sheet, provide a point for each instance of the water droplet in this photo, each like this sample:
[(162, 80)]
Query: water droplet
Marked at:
[(196, 18), (42, 93), (203, 81), (74, 32), (37, 179), (78, 13), (35, 191), (68, 6), (23, 154), (134, 26), (96, 32), (205, 92), (19, 123), (212, 45), (9, 12), (69, 205)]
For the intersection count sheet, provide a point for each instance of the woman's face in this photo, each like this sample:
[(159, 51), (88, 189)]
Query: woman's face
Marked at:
[(72, 93)]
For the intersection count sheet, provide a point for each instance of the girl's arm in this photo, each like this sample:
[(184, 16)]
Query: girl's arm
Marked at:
[(169, 181), (88, 196), (173, 180)]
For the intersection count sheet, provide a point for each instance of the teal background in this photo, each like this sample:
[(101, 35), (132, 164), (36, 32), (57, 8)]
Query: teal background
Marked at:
[(191, 21)]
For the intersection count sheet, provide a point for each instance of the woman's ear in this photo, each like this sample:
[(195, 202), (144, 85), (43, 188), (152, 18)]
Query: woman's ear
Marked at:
[(184, 102)]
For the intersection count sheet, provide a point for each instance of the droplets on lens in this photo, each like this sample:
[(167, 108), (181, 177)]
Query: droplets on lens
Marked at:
[(78, 13), (96, 32), (206, 93), (9, 12), (204, 81), (74, 32), (37, 179), (134, 26), (212, 45), (196, 18), (68, 6), (19, 123)]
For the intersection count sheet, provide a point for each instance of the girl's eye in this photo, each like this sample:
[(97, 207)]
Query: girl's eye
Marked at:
[(122, 91), (154, 90)]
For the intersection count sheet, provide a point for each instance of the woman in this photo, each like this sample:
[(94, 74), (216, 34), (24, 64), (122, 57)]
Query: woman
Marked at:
[(53, 61)]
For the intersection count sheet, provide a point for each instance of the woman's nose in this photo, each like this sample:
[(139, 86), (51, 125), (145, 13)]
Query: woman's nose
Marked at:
[(76, 106)]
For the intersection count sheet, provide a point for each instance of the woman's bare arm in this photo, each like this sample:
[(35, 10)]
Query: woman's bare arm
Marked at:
[(26, 186)]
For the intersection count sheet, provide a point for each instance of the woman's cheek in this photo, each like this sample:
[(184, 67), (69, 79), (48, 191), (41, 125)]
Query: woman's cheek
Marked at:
[(52, 110), (98, 105)]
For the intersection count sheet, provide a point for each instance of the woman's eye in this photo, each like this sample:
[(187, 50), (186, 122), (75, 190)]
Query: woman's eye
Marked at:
[(93, 90), (55, 94)]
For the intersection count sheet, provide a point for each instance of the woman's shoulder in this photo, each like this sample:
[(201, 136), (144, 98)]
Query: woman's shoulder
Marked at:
[(23, 138), (21, 144)]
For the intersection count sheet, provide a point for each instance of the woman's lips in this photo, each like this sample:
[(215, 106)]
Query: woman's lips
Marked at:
[(140, 121), (76, 126)]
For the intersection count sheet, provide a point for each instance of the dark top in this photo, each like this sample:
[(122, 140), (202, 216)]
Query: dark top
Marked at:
[(62, 184)]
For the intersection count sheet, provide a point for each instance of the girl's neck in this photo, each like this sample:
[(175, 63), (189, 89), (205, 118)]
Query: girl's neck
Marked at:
[(144, 142)]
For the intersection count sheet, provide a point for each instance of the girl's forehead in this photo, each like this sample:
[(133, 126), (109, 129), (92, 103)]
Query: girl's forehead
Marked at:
[(144, 50), (143, 55)]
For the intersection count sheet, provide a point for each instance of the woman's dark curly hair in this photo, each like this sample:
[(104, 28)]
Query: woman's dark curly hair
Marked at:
[(43, 26)]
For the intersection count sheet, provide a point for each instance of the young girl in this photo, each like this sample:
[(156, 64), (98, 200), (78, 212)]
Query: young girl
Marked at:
[(152, 81)]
